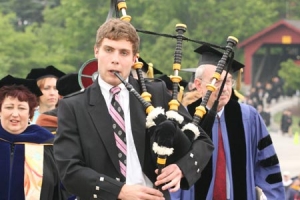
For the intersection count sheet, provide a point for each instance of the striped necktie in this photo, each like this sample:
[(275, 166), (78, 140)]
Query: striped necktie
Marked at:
[(220, 179), (117, 115)]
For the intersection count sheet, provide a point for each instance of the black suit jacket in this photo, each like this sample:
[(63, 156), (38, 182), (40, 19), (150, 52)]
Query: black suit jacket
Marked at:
[(85, 148)]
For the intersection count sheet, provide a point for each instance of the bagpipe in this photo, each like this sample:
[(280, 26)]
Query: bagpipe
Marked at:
[(171, 136)]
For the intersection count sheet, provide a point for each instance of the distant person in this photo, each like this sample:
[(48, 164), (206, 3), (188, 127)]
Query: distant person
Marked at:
[(286, 122), (261, 96), (277, 87), (254, 95), (251, 103), (258, 85), (269, 90), (265, 114), (286, 179), (66, 85), (46, 80), (293, 192)]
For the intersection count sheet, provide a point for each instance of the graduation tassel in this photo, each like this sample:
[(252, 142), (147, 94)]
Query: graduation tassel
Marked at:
[(180, 93), (150, 73), (239, 80), (239, 95), (238, 86)]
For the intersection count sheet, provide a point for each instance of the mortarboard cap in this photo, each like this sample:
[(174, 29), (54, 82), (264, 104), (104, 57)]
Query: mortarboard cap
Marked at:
[(29, 83), (183, 83), (167, 81), (68, 84), (190, 70), (38, 73), (212, 56), (148, 67)]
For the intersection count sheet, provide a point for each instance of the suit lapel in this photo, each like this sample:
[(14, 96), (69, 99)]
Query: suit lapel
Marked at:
[(99, 115), (138, 121)]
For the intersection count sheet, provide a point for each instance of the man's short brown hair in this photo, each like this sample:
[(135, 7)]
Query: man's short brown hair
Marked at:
[(117, 29)]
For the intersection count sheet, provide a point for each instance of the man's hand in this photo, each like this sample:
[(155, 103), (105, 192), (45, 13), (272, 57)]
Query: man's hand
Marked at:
[(170, 177), (190, 97), (138, 192)]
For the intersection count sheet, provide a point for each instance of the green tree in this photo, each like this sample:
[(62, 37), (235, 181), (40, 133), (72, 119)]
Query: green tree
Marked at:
[(209, 21), (69, 31), (4, 6), (290, 73), (66, 35), (28, 11), (5, 60), (288, 9), (21, 51)]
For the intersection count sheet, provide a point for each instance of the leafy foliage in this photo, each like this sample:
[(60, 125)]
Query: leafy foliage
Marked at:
[(290, 73), (62, 32)]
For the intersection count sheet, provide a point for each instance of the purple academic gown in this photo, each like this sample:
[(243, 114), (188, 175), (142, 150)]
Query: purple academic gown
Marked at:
[(183, 194), (256, 174)]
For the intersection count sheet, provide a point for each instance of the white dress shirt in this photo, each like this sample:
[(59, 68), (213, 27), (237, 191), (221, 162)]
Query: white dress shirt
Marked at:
[(134, 173)]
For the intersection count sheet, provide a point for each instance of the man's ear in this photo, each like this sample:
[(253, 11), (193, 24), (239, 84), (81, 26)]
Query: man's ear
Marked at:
[(135, 57), (96, 51), (197, 83)]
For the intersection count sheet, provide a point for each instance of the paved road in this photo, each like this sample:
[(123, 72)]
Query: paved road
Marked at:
[(287, 152)]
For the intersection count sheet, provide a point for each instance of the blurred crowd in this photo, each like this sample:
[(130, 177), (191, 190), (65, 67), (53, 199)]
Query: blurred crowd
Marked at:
[(292, 186), (262, 95)]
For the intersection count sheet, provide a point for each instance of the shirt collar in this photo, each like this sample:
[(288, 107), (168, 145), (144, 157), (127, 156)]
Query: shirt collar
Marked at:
[(220, 112), (105, 87)]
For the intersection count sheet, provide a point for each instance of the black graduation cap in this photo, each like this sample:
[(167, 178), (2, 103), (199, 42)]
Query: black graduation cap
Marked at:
[(68, 84), (29, 83), (190, 70), (183, 83), (213, 56), (169, 82), (147, 67), (38, 73)]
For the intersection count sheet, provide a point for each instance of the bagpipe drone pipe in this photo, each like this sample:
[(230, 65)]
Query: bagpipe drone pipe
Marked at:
[(167, 138), (224, 64), (170, 136)]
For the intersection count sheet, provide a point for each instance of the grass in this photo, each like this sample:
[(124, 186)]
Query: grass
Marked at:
[(295, 127)]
